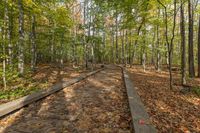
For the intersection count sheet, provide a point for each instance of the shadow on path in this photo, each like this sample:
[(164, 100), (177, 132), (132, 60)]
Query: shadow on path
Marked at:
[(95, 105)]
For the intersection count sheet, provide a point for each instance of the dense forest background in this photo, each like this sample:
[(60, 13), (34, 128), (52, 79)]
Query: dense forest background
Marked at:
[(84, 33)]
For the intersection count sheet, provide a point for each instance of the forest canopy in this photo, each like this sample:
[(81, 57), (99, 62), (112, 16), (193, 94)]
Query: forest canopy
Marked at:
[(88, 32)]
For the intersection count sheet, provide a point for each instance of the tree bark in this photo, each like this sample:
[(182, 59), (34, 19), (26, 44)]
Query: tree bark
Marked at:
[(117, 49), (33, 46), (10, 34), (113, 44), (158, 50), (199, 49), (84, 39), (62, 50), (190, 40), (122, 38), (4, 34), (136, 40), (21, 38), (182, 28), (169, 42)]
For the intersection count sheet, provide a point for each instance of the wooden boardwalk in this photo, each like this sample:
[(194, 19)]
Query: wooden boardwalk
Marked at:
[(140, 118), (97, 104)]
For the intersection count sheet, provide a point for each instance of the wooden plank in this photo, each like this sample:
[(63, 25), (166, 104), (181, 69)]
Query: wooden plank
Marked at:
[(9, 107), (140, 118)]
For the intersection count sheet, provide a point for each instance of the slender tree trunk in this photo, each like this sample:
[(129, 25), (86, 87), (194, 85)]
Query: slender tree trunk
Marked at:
[(170, 47), (129, 48), (182, 28), (158, 50), (117, 49), (4, 38), (52, 47), (33, 46), (85, 43), (74, 48), (62, 50), (122, 38), (21, 38), (171, 41), (153, 48), (4, 66), (136, 41), (144, 56), (113, 45), (10, 32), (126, 47), (92, 56), (190, 40), (104, 44), (199, 49), (144, 61), (74, 40)]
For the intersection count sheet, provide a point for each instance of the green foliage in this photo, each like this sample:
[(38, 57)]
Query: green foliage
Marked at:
[(16, 93), (196, 90)]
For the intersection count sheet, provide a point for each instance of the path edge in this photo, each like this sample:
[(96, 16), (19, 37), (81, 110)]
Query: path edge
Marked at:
[(7, 108), (140, 117)]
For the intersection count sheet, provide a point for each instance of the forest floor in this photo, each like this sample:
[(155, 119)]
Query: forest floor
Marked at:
[(45, 77), (170, 110), (97, 104)]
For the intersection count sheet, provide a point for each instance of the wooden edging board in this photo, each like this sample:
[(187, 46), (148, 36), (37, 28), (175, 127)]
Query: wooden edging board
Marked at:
[(140, 118), (10, 107)]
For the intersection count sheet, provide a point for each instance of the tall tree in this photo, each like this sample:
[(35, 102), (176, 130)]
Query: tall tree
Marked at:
[(183, 49), (21, 38), (4, 38), (33, 42), (116, 39), (10, 36), (170, 42), (199, 49), (190, 39)]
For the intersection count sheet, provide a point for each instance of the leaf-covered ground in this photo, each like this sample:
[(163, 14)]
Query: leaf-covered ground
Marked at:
[(96, 105), (170, 110), (43, 78)]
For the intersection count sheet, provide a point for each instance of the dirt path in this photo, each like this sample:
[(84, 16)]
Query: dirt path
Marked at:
[(95, 105)]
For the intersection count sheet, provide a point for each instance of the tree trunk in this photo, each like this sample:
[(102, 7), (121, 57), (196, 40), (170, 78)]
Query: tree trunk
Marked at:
[(52, 47), (199, 49), (153, 48), (33, 46), (113, 45), (182, 28), (171, 41), (158, 50), (144, 61), (144, 55), (85, 43), (21, 38), (158, 56), (117, 49), (5, 33), (129, 48), (10, 32), (62, 51), (136, 41), (170, 46), (122, 38), (190, 40), (4, 65), (126, 48)]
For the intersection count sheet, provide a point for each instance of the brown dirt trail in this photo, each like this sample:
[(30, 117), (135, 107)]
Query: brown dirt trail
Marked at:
[(95, 105)]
